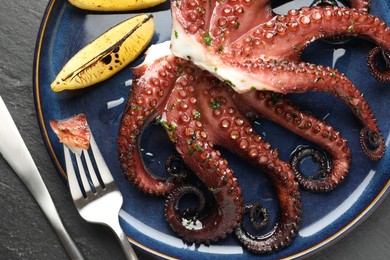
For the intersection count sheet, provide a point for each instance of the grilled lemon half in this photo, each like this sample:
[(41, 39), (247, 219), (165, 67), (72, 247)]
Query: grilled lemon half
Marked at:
[(107, 54), (115, 5)]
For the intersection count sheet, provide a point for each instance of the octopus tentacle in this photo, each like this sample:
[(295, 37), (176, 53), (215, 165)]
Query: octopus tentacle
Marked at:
[(175, 167), (314, 184), (256, 211), (310, 24), (235, 133), (361, 5), (282, 38), (224, 216), (302, 77), (261, 9), (151, 87), (382, 75), (323, 3), (191, 141), (190, 215), (372, 142), (287, 225), (275, 107)]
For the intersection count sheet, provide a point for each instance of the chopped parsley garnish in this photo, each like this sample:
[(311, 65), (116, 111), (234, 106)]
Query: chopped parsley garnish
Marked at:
[(169, 127), (215, 190), (351, 27), (135, 107), (275, 98), (230, 83), (180, 70), (198, 147), (196, 114), (207, 39), (215, 104), (317, 79)]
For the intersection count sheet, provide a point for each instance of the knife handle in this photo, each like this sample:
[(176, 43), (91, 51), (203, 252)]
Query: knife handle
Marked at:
[(15, 152), (52, 215)]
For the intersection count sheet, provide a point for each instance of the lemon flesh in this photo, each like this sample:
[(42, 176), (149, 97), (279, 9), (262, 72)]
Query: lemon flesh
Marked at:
[(107, 54), (114, 5)]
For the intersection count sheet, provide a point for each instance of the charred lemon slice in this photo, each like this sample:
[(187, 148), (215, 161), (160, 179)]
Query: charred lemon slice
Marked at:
[(114, 5), (107, 54)]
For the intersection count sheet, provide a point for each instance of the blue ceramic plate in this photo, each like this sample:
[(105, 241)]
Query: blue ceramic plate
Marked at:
[(326, 217)]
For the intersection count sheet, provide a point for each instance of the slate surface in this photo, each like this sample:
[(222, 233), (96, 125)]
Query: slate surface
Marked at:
[(25, 232)]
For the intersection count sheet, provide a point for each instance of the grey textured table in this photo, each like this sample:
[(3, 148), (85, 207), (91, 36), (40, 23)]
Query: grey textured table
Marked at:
[(25, 232)]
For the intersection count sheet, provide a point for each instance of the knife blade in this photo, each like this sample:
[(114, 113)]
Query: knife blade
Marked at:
[(15, 152)]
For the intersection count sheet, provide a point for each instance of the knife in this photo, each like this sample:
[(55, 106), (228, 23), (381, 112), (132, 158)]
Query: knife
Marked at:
[(14, 151)]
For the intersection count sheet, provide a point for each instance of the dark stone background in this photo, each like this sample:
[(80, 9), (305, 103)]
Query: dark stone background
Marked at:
[(25, 232)]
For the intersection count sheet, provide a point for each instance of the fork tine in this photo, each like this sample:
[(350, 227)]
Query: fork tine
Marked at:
[(72, 179), (104, 207), (91, 170), (83, 175), (105, 173)]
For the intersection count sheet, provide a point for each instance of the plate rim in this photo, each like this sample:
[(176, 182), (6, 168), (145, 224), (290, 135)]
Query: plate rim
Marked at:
[(329, 241)]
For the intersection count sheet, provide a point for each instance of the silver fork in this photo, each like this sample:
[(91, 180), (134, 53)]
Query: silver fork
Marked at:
[(97, 201)]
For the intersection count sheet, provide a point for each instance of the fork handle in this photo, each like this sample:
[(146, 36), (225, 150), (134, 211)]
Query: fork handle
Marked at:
[(125, 244)]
